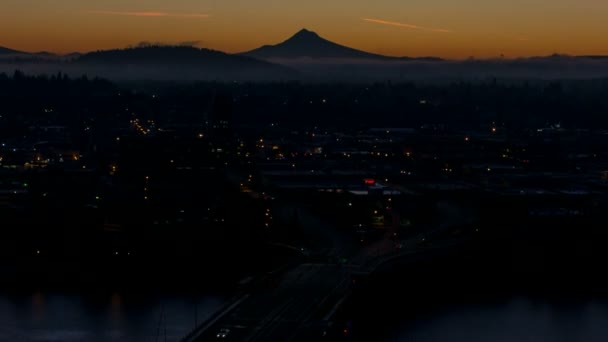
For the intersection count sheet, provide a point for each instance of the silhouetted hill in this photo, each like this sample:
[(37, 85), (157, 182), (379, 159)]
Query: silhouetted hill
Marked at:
[(45, 54), (423, 59), (308, 44), (170, 61), (72, 55), (168, 55), (7, 51), (11, 55), (595, 57), (558, 57)]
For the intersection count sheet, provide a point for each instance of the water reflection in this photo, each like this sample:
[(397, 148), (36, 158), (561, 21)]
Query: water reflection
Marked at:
[(38, 306), (518, 319), (41, 316), (116, 307)]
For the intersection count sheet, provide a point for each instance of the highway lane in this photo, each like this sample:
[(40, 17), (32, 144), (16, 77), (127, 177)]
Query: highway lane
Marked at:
[(281, 311), (277, 313)]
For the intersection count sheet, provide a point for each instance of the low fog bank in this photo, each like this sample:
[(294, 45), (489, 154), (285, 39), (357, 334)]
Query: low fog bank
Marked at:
[(302, 70), (151, 72), (548, 68)]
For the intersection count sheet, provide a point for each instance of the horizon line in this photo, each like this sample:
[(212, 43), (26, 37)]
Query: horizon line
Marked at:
[(178, 44), (237, 51)]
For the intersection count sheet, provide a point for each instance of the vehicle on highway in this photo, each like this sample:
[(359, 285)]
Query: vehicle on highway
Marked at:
[(223, 333)]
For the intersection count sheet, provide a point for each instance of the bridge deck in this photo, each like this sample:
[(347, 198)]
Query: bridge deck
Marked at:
[(278, 313)]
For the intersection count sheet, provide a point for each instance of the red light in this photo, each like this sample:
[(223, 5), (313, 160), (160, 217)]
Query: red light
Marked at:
[(369, 181), (345, 331)]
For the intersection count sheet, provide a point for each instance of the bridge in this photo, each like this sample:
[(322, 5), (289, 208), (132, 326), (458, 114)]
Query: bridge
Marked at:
[(297, 303)]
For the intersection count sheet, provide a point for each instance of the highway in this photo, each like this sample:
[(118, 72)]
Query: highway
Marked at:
[(282, 307), (279, 312)]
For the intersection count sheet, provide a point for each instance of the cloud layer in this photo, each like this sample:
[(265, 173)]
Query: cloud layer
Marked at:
[(409, 26), (153, 14)]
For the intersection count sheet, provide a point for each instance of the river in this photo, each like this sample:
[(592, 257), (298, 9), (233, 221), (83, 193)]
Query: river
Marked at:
[(112, 316), (551, 296), (517, 318)]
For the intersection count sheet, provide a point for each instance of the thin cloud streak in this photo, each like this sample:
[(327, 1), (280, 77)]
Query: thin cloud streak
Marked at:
[(409, 26), (153, 14)]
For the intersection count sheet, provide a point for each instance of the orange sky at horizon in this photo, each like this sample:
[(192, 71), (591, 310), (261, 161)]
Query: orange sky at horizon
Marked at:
[(445, 28)]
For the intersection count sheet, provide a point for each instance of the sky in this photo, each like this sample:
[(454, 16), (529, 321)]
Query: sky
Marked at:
[(446, 28)]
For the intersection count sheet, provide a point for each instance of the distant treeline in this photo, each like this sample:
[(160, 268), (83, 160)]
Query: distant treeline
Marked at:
[(19, 82), (52, 100), (516, 104)]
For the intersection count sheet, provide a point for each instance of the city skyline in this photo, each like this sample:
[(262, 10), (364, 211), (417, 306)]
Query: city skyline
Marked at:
[(440, 28)]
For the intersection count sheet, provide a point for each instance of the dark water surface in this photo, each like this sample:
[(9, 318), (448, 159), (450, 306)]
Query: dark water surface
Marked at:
[(514, 319), (506, 295), (44, 316)]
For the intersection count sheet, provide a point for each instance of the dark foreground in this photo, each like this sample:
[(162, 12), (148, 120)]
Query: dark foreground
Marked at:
[(541, 289)]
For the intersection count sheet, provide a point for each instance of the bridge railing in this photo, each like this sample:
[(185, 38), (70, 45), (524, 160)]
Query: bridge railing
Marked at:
[(191, 336), (373, 264)]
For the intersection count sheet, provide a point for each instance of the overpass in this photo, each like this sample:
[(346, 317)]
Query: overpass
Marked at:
[(298, 304)]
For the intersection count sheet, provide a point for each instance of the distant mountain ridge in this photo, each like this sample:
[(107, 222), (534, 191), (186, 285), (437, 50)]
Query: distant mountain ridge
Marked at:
[(23, 55), (304, 56), (309, 44), (7, 51)]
